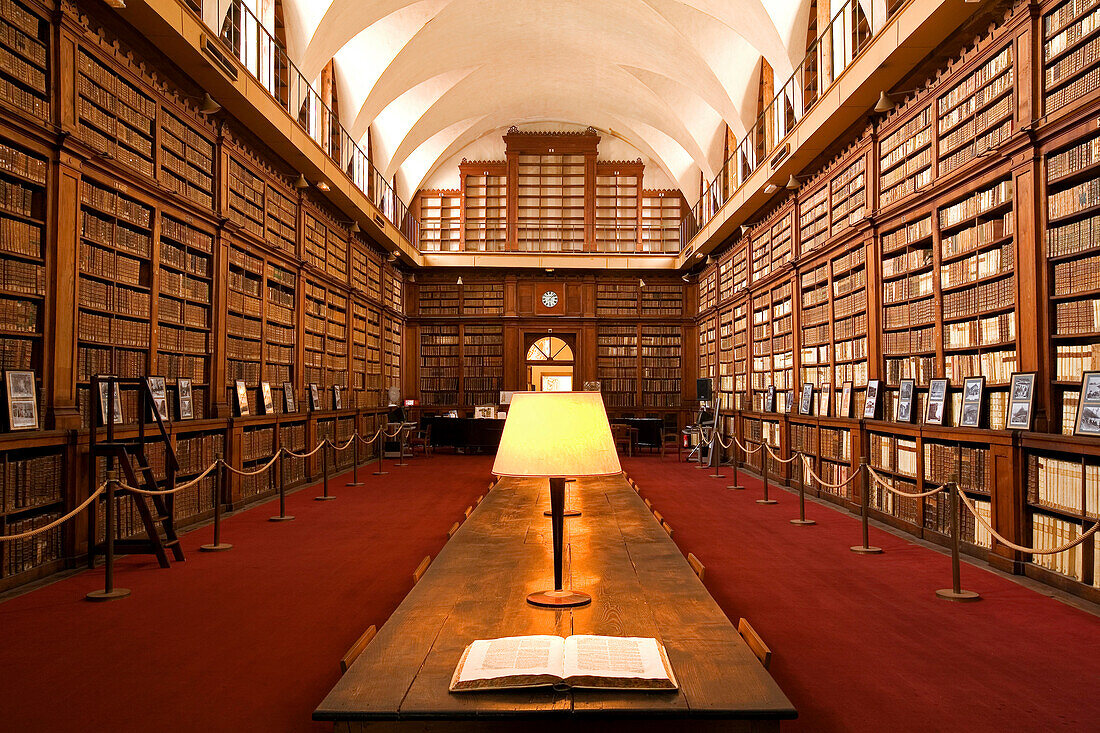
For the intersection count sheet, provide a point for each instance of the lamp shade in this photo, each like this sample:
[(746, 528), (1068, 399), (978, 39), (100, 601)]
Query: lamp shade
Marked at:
[(556, 435)]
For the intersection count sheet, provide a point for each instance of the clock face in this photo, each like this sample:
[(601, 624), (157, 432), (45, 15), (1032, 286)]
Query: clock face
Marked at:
[(550, 299)]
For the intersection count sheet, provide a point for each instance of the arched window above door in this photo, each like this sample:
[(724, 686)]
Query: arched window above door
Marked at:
[(550, 348)]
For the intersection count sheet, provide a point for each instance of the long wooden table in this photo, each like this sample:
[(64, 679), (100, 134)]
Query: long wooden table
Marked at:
[(476, 588)]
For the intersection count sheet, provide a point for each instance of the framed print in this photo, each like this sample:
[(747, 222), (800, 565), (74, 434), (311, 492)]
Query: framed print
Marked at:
[(485, 412), (825, 399), (1088, 407), (268, 400), (242, 398), (903, 412), (117, 418), (22, 400), (590, 387), (314, 397), (185, 399), (971, 417), (506, 397), (937, 401), (337, 398), (845, 400), (289, 399), (870, 407), (1021, 399), (789, 406), (159, 391), (769, 401), (805, 406)]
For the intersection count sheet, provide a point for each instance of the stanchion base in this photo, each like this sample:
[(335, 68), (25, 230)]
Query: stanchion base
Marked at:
[(803, 522), (736, 488), (767, 501), (949, 594), (716, 475), (355, 483), (286, 518), (566, 513), (869, 550), (701, 467), (216, 548), (401, 464), (323, 498), (107, 595), (559, 598), (381, 473)]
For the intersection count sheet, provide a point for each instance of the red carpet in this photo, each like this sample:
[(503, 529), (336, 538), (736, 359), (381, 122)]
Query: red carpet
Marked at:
[(244, 640), (861, 643)]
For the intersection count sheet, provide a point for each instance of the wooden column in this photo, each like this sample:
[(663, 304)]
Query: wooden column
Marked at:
[(59, 333)]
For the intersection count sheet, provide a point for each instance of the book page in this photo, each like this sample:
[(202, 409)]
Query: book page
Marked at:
[(513, 656), (619, 657)]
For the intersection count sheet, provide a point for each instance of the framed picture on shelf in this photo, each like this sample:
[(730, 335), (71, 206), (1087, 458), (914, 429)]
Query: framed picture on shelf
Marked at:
[(589, 387), (289, 399), (185, 399), (1088, 407), (22, 400), (789, 406), (159, 390), (266, 398), (117, 417), (870, 406), (906, 393), (485, 412), (805, 405), (314, 397), (337, 398), (825, 399), (1021, 399), (937, 402), (845, 400), (769, 401), (973, 389), (242, 398)]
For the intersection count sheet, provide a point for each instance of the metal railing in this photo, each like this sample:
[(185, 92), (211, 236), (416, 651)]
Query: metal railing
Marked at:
[(848, 34), (267, 61)]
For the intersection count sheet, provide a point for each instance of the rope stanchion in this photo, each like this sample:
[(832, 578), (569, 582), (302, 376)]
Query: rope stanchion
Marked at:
[(256, 472), (920, 495), (283, 516), (324, 472), (221, 479), (823, 482), (1020, 548), (864, 508), (109, 592), (355, 464), (716, 453), (57, 522), (305, 455), (402, 434), (764, 471), (381, 451), (736, 485), (776, 455), (956, 592), (802, 521)]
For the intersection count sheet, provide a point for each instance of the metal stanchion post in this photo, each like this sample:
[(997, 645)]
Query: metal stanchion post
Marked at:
[(716, 452), (324, 472), (381, 435), (355, 466), (401, 433), (736, 482), (865, 504), (217, 545), (764, 471), (802, 521), (283, 516), (955, 592), (109, 592)]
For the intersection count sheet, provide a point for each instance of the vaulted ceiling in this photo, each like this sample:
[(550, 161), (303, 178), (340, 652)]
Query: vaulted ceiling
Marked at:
[(432, 78)]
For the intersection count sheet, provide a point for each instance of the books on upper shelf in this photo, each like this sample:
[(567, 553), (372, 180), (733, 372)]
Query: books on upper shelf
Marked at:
[(580, 661)]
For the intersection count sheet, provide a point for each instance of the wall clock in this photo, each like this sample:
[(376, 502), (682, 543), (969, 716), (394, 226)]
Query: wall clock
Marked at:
[(549, 299)]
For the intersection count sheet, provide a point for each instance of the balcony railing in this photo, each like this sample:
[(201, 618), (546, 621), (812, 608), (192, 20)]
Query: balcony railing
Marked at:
[(848, 34), (266, 60)]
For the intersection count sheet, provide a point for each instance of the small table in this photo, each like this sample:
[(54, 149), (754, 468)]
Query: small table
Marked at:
[(475, 589)]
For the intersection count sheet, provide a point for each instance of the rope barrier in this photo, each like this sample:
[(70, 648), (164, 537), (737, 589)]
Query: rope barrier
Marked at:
[(306, 455), (59, 520), (725, 446), (1020, 548), (781, 460), (892, 490), (344, 446), (166, 492), (260, 470), (371, 439), (808, 468), (740, 445)]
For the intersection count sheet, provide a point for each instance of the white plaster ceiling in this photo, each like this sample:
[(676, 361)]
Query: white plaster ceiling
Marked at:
[(432, 78)]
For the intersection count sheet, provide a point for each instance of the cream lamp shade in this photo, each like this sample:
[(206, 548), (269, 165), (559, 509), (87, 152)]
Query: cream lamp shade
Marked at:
[(557, 435)]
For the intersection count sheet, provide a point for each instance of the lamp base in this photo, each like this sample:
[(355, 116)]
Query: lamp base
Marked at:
[(565, 513), (559, 598)]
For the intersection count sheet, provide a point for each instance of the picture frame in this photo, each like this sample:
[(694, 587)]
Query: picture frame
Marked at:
[(506, 397), (485, 412), (337, 397), (789, 406), (185, 399), (590, 387), (22, 399), (242, 398), (159, 390), (117, 418), (290, 400), (870, 405), (805, 405), (825, 399), (903, 410), (769, 400), (845, 400), (936, 407), (1087, 420), (314, 397), (1021, 401), (267, 399), (973, 392)]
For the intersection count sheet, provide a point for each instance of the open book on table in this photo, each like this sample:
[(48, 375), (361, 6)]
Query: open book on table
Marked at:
[(604, 662)]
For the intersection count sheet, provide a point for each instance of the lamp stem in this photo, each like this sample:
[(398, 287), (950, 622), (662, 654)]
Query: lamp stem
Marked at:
[(557, 523)]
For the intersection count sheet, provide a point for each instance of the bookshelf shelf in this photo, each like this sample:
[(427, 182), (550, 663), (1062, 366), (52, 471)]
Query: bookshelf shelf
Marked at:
[(617, 364), (440, 365), (482, 364)]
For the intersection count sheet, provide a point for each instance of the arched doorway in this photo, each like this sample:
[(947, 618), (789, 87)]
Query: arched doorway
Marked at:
[(549, 364)]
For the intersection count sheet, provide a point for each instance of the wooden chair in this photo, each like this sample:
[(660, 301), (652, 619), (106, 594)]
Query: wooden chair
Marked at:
[(621, 435), (421, 439), (759, 648), (452, 530), (357, 648), (421, 569), (469, 511), (666, 527), (672, 439), (696, 565), (658, 516), (478, 499), (648, 503)]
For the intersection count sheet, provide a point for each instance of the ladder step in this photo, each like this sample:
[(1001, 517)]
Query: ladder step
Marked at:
[(171, 543)]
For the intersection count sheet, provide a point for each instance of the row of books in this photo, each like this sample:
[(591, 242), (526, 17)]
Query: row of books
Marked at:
[(1070, 64), (919, 368), (983, 233), (976, 204), (918, 285), (174, 284), (31, 552), (19, 315), (971, 467), (973, 84), (1056, 21), (1077, 275), (910, 137), (996, 366), (20, 238), (988, 331), (996, 295), (22, 277), (1073, 360), (107, 233), (917, 340), (1077, 317), (1047, 532), (881, 499), (1064, 485), (119, 299), (913, 313)]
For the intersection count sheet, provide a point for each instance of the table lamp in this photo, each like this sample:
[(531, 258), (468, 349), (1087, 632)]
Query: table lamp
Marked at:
[(557, 435)]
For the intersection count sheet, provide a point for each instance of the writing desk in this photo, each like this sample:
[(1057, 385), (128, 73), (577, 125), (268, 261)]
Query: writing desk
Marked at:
[(476, 588)]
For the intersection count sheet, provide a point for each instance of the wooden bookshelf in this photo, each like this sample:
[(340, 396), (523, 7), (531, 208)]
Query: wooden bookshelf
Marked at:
[(551, 202), (25, 60), (440, 365), (617, 364), (659, 352), (440, 220), (482, 364), (617, 299), (905, 156), (244, 325), (116, 118), (280, 328), (662, 212), (618, 187)]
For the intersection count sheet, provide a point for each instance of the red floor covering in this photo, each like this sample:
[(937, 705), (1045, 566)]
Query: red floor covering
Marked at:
[(860, 642), (244, 640)]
